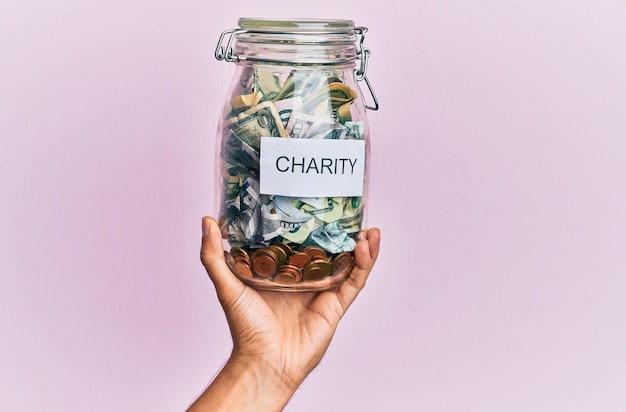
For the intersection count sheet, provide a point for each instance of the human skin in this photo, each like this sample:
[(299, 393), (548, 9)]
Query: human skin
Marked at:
[(278, 337)]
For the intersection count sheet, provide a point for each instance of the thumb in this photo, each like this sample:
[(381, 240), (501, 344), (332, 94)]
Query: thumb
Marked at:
[(212, 257)]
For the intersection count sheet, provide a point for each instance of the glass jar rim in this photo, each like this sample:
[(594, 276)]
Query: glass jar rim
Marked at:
[(297, 25)]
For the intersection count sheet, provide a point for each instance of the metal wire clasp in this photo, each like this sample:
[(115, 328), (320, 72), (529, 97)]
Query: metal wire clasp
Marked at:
[(363, 54), (226, 53)]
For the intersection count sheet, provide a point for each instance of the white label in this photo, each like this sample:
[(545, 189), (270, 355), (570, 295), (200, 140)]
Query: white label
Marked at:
[(312, 167)]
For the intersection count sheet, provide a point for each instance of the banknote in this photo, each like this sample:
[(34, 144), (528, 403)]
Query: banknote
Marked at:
[(331, 211), (308, 83), (303, 232), (316, 202), (343, 113), (355, 130), (300, 83), (280, 216), (341, 93), (268, 83), (261, 120), (243, 215), (352, 230), (232, 181), (288, 106), (246, 80), (332, 95), (239, 154), (304, 126), (243, 102), (338, 132), (332, 238), (288, 89)]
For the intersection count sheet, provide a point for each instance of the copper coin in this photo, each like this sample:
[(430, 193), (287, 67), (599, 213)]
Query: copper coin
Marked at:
[(342, 263), (313, 272), (264, 252), (281, 255), (242, 258), (285, 247), (264, 263), (296, 271), (315, 252), (285, 278), (299, 260), (236, 250), (325, 267), (288, 275), (243, 269)]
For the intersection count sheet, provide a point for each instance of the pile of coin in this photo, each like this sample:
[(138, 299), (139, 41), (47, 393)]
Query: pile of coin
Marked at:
[(281, 264)]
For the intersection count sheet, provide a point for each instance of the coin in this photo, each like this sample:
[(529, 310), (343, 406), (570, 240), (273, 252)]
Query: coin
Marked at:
[(342, 263), (285, 278), (325, 267), (288, 275), (315, 252), (313, 272), (242, 258), (236, 250), (264, 263), (281, 255), (281, 264), (243, 269), (299, 260), (285, 247)]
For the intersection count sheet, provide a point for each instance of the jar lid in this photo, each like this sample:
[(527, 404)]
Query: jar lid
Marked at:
[(292, 41), (307, 25)]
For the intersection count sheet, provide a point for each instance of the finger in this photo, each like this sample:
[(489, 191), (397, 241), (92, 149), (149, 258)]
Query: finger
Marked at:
[(212, 257), (373, 237), (365, 254)]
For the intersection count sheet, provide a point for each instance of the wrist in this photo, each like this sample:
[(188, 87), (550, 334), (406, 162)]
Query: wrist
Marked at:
[(246, 383), (266, 374)]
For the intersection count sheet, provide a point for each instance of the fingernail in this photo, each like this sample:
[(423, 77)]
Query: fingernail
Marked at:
[(206, 226)]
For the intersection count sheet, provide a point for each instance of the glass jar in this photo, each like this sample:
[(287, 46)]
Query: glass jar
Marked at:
[(293, 152)]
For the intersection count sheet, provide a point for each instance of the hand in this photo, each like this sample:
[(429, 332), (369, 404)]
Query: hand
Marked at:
[(280, 337)]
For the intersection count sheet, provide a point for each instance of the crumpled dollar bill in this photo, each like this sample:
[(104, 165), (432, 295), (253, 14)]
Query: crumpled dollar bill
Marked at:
[(307, 104)]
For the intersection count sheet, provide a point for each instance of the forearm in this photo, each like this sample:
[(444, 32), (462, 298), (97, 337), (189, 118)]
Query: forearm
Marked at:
[(244, 385)]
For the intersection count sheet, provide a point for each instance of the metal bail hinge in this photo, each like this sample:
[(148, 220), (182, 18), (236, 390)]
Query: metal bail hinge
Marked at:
[(226, 53), (363, 54)]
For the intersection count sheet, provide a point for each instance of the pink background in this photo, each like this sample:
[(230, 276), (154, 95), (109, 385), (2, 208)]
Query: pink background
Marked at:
[(497, 180)]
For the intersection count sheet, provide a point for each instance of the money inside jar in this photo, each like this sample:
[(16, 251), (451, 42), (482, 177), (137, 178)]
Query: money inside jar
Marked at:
[(293, 152)]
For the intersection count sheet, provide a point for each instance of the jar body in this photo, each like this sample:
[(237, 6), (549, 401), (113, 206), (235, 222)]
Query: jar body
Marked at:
[(293, 154)]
